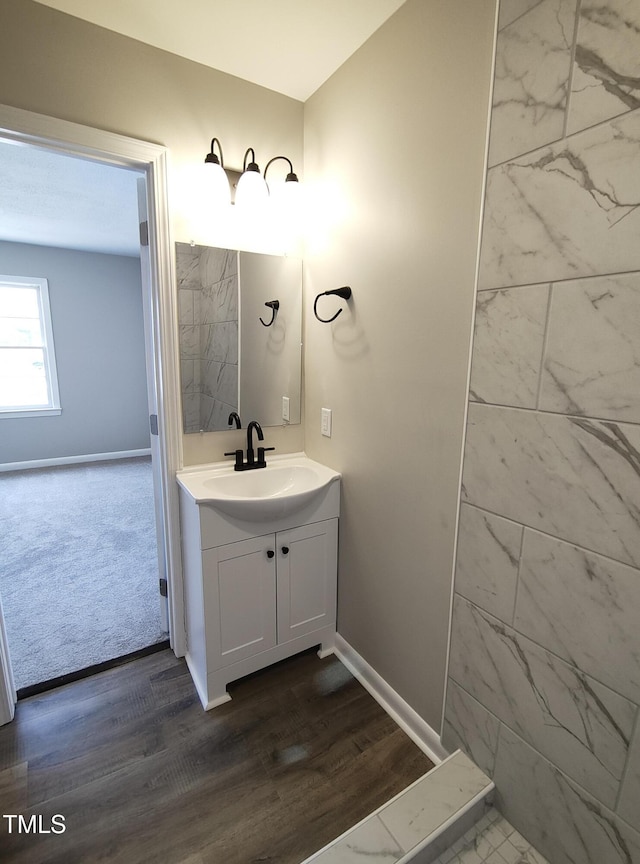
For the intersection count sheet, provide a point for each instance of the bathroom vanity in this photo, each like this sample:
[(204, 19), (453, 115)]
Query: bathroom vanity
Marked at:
[(259, 551)]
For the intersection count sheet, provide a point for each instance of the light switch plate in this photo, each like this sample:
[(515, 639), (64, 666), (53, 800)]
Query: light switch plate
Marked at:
[(325, 422), (285, 408)]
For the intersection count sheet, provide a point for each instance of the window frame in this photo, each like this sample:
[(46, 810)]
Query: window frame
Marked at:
[(48, 350)]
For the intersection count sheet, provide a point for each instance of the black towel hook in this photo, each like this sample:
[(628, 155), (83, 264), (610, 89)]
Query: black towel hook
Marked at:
[(345, 293), (274, 305)]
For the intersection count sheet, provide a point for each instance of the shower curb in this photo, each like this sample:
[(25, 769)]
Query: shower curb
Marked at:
[(419, 823)]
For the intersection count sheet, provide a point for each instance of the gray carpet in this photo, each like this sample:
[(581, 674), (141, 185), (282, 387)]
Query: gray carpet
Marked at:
[(78, 566)]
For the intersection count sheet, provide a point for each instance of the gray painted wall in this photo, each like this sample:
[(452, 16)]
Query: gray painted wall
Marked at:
[(544, 687), (58, 65), (96, 310), (397, 134)]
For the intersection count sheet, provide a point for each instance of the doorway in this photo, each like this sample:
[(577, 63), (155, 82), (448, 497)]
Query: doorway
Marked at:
[(79, 571), (157, 274)]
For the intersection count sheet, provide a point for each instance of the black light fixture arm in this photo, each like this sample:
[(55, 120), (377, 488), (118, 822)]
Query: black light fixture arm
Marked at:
[(274, 305), (211, 156), (291, 177), (253, 165), (344, 292)]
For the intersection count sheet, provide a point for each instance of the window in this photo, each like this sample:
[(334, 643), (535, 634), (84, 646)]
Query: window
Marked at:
[(28, 377)]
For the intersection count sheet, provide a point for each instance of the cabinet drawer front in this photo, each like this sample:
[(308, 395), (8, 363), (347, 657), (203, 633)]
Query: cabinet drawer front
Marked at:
[(240, 600), (307, 564)]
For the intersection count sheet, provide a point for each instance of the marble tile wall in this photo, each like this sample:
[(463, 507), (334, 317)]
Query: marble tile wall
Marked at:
[(544, 673), (208, 324)]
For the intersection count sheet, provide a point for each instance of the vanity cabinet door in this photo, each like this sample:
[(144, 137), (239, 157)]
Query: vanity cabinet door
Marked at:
[(307, 567), (240, 599)]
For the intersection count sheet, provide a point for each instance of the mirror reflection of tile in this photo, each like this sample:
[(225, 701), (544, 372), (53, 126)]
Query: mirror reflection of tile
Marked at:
[(229, 361)]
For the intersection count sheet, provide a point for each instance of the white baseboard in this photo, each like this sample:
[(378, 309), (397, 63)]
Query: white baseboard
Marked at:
[(73, 460), (404, 715)]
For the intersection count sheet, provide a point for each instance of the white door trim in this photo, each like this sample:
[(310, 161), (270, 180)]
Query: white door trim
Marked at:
[(74, 139), (7, 685)]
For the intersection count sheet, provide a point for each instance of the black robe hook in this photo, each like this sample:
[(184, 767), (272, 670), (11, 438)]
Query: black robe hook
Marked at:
[(274, 305), (345, 293)]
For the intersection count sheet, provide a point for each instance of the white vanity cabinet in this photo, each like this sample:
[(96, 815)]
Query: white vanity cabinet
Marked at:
[(269, 590), (258, 592)]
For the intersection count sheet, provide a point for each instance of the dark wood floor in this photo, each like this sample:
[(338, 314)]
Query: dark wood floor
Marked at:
[(142, 774)]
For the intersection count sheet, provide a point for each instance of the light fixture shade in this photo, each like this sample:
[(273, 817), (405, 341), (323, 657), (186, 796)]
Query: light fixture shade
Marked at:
[(251, 190), (215, 187), (286, 194)]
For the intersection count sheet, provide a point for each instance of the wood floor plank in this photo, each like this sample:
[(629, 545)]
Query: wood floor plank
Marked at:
[(13, 789), (108, 682), (142, 774), (169, 803), (88, 758), (171, 684)]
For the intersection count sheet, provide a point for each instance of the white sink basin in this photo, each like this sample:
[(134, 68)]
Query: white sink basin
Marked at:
[(262, 494)]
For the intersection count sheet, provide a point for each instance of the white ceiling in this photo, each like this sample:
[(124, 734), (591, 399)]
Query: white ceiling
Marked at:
[(54, 200), (291, 46)]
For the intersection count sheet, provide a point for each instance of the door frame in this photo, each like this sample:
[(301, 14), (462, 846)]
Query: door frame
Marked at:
[(73, 139)]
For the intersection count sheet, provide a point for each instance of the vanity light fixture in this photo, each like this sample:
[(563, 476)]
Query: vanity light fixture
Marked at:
[(250, 185)]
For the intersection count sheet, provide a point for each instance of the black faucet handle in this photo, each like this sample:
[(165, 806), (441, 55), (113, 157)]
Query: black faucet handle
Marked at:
[(239, 457), (261, 452)]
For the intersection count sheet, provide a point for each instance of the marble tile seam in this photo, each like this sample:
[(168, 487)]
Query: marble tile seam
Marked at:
[(419, 815), (552, 654), (628, 770), (545, 345), (612, 813), (566, 476), (579, 725), (535, 530), (438, 832), (568, 280), (522, 14), (523, 287), (517, 586), (369, 817), (572, 66), (553, 142), (547, 412), (478, 702), (635, 730)]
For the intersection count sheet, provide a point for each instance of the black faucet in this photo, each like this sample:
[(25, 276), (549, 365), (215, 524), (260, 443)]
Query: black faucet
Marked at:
[(234, 417), (251, 462), (250, 455)]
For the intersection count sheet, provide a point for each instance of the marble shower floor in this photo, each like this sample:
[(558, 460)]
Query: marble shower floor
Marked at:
[(492, 840)]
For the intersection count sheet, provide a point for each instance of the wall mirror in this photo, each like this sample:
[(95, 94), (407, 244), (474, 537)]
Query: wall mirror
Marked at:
[(240, 325)]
